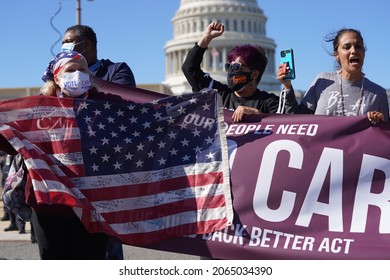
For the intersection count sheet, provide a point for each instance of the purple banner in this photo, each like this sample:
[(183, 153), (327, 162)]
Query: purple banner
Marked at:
[(303, 187)]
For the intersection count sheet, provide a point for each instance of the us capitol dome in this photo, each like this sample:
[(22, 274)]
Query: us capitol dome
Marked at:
[(245, 23)]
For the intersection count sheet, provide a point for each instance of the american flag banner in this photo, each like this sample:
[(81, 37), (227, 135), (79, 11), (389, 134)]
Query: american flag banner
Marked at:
[(143, 172)]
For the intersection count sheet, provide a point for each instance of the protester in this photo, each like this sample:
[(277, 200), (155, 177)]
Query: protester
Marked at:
[(59, 232), (345, 92), (82, 39), (245, 67)]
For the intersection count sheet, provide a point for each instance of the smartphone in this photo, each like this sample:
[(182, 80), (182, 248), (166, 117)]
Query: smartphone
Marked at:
[(287, 58)]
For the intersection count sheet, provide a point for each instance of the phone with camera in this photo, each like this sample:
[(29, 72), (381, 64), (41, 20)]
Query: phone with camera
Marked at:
[(287, 58)]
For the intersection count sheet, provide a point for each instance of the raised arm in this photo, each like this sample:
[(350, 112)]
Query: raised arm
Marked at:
[(213, 30), (192, 65)]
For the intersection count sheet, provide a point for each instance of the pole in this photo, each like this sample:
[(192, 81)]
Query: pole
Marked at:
[(78, 12)]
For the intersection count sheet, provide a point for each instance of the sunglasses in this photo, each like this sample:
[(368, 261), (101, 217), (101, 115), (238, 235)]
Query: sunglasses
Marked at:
[(234, 67)]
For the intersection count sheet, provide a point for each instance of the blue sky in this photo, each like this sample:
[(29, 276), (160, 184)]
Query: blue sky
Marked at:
[(136, 32)]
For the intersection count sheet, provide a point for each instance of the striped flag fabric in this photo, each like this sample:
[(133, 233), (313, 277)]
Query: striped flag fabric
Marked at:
[(143, 172)]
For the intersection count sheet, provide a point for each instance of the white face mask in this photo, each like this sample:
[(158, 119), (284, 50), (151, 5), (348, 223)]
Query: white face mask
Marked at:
[(75, 83)]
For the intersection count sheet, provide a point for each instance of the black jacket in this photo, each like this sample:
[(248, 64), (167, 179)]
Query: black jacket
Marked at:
[(263, 101), (119, 72)]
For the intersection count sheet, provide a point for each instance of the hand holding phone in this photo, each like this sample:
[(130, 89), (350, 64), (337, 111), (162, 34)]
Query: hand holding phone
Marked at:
[(287, 58)]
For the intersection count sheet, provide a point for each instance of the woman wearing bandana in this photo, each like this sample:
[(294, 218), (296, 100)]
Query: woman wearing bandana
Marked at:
[(67, 75), (245, 67), (59, 232)]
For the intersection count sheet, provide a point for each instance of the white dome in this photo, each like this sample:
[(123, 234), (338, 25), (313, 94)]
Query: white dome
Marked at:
[(245, 23)]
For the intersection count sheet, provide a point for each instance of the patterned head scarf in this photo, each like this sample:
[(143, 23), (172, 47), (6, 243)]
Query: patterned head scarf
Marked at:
[(58, 62)]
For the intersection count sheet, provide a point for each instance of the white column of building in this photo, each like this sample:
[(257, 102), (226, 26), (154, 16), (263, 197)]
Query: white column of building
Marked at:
[(167, 70), (174, 60), (206, 62), (214, 57), (180, 59), (224, 57)]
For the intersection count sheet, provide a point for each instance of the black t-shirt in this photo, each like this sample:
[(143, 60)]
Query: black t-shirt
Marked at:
[(263, 101)]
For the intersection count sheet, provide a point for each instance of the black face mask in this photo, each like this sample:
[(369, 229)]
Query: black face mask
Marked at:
[(238, 80)]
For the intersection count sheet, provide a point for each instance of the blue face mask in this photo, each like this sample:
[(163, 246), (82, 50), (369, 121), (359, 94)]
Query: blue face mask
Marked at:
[(70, 46)]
